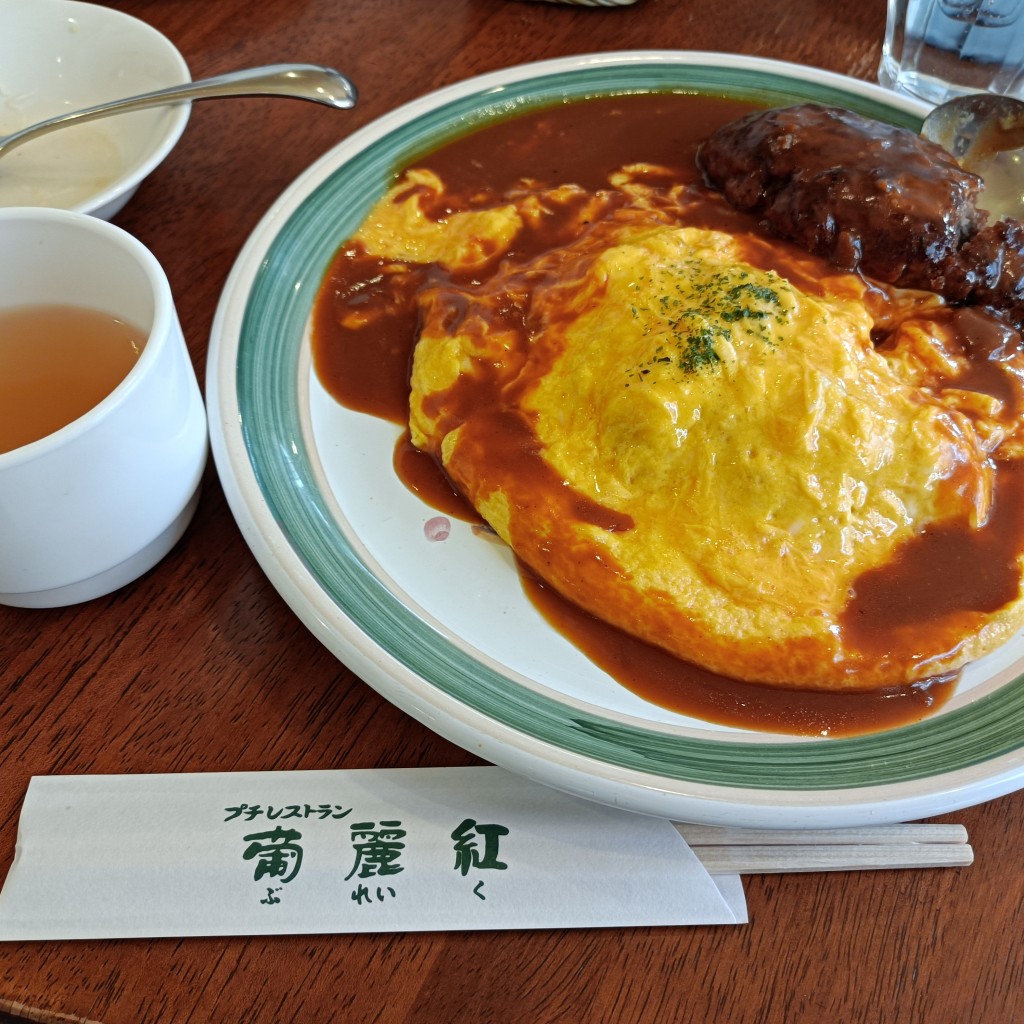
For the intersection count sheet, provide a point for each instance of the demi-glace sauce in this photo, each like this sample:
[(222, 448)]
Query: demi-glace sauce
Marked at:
[(582, 143)]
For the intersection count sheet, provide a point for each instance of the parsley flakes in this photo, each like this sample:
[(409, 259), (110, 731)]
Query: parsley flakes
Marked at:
[(698, 309)]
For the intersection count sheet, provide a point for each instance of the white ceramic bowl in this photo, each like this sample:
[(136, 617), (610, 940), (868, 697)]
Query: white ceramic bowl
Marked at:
[(57, 56)]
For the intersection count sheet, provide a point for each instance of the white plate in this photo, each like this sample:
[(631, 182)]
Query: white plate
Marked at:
[(440, 629)]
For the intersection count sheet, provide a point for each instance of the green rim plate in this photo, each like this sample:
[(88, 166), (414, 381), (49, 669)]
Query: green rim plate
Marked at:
[(267, 455)]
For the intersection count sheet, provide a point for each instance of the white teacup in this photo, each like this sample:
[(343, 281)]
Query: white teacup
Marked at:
[(97, 503)]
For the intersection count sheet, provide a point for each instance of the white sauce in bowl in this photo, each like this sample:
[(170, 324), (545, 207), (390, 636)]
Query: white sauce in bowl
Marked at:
[(62, 169)]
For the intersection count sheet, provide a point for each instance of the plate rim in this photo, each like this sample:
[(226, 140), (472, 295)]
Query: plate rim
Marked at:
[(455, 720)]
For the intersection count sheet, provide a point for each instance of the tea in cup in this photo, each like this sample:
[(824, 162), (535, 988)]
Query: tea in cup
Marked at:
[(103, 436)]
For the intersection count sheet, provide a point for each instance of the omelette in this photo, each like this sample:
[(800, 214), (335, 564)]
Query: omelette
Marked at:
[(693, 433)]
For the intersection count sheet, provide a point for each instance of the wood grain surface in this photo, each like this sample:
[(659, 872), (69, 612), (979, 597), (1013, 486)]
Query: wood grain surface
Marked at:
[(200, 666)]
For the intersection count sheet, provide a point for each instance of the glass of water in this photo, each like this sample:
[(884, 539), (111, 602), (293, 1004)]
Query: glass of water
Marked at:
[(937, 49)]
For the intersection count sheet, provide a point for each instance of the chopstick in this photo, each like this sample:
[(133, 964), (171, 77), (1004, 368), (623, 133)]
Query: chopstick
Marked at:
[(724, 850)]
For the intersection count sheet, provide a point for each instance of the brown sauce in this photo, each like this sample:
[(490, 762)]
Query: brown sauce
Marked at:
[(986, 341), (371, 378), (690, 690), (942, 582), (423, 475), (581, 143)]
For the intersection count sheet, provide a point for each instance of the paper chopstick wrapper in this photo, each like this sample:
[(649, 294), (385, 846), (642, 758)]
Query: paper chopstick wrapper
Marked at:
[(261, 853)]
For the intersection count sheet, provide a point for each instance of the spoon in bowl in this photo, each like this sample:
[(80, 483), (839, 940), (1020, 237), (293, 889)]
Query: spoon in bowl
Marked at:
[(985, 134), (298, 81)]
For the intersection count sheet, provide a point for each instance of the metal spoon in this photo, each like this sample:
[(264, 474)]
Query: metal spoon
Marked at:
[(985, 134), (300, 81)]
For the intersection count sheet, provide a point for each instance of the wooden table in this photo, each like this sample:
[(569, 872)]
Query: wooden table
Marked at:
[(200, 665)]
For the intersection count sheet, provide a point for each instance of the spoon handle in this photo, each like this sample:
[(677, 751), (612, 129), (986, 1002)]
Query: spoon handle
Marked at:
[(299, 81)]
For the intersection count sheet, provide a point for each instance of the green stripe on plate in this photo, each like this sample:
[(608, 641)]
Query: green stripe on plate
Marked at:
[(267, 383)]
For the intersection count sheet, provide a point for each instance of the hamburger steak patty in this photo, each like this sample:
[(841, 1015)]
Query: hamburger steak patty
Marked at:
[(872, 197)]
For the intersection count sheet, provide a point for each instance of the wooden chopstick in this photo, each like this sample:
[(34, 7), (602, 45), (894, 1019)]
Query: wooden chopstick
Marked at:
[(724, 850)]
